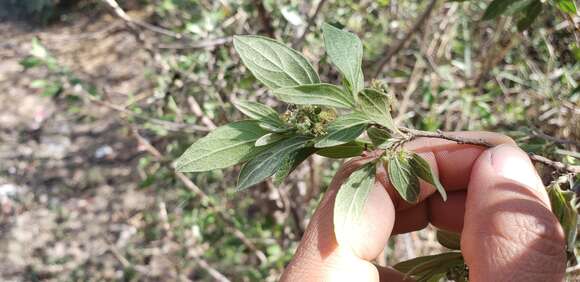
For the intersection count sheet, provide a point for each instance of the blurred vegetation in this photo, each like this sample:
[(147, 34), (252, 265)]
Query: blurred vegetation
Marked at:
[(455, 72)]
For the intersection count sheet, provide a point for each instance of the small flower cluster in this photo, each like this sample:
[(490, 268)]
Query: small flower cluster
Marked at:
[(309, 120)]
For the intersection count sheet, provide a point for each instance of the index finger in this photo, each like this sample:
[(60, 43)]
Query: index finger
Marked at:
[(452, 162)]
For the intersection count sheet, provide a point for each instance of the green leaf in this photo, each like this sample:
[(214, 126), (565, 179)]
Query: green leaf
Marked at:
[(379, 137), (426, 266), (273, 128), (346, 51), (566, 6), (225, 146), (402, 177), (268, 139), (290, 163), (532, 12), (344, 129), (315, 94), (420, 264), (377, 107), (449, 239), (422, 169), (273, 63), (350, 201), (497, 8), (268, 162), (348, 150), (30, 62), (564, 208), (264, 114)]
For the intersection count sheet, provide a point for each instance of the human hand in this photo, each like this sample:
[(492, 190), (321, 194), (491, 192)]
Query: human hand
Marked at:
[(495, 199)]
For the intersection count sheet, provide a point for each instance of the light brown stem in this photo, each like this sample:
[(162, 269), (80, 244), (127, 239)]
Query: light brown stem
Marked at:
[(562, 167)]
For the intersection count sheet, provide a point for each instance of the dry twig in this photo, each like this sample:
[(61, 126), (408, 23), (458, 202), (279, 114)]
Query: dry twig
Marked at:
[(309, 24), (265, 18), (538, 133), (205, 198), (169, 125), (196, 110), (133, 24), (416, 76), (390, 52), (218, 276), (203, 44)]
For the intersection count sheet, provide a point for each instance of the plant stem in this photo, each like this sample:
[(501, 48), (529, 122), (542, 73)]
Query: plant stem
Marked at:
[(559, 166)]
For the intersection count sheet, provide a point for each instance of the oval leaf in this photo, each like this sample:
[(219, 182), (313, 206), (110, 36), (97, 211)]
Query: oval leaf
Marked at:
[(316, 94), (422, 169), (346, 51), (420, 264), (348, 150), (226, 146), (377, 107), (268, 139), (268, 162), (263, 114), (379, 137), (449, 239), (425, 267), (564, 206), (350, 201), (343, 130), (273, 128), (273, 63), (291, 162), (402, 177)]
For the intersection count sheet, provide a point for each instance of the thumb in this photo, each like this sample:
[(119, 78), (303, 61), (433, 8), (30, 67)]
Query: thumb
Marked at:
[(509, 232), (320, 257)]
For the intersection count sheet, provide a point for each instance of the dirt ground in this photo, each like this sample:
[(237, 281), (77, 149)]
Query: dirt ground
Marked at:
[(60, 170), (69, 202)]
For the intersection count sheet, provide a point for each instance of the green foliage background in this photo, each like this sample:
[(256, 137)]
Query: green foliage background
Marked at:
[(456, 72)]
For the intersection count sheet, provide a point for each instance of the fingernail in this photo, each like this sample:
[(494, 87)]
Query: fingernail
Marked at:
[(512, 163)]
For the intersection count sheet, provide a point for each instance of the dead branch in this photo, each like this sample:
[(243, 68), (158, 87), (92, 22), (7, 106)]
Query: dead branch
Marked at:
[(133, 24), (492, 60), (309, 23), (214, 273), (390, 52), (218, 276), (416, 76), (196, 110), (169, 125), (265, 18), (538, 133), (220, 210), (202, 44)]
